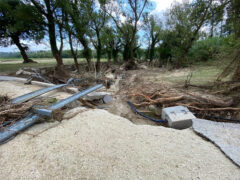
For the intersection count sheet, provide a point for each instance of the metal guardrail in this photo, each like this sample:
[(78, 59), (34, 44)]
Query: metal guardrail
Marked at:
[(10, 131), (49, 111), (39, 92), (34, 94)]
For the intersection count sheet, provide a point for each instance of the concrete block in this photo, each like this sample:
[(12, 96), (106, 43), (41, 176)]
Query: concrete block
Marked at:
[(107, 99), (178, 117), (95, 96)]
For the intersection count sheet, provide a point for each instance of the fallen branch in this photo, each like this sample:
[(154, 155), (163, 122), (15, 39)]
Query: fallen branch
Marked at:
[(160, 101), (211, 101), (87, 104), (208, 109)]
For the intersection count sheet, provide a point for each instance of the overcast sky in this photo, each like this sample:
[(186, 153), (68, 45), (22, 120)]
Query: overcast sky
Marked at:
[(161, 5)]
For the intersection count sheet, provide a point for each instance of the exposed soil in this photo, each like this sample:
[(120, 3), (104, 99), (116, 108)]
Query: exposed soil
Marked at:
[(94, 144), (146, 81)]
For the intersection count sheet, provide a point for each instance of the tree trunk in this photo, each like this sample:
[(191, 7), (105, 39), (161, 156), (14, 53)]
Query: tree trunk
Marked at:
[(126, 52), (72, 51), (52, 37), (180, 61), (236, 75), (115, 55), (98, 65), (212, 28), (151, 55), (131, 58), (21, 49), (86, 51), (109, 53)]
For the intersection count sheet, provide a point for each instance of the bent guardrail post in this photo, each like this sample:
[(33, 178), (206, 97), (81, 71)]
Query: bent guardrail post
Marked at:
[(39, 92), (31, 119)]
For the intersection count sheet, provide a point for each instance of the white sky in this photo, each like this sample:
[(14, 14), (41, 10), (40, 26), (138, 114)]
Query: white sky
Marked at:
[(161, 5)]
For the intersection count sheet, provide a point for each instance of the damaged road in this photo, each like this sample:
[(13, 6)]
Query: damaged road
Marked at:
[(96, 144)]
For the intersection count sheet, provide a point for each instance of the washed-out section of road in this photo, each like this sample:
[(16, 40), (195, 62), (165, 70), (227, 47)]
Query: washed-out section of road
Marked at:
[(96, 144)]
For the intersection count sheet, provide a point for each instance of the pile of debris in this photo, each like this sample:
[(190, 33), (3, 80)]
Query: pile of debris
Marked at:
[(203, 106), (10, 113)]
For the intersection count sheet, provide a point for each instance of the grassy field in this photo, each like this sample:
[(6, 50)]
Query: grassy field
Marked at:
[(202, 73), (12, 65)]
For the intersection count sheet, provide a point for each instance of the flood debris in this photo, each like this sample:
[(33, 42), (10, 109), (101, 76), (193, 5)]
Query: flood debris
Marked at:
[(10, 113), (52, 111), (200, 104), (96, 96), (224, 135)]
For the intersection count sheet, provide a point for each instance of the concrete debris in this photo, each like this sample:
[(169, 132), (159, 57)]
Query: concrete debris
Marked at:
[(226, 136), (155, 109), (98, 145), (95, 96), (178, 117), (107, 99)]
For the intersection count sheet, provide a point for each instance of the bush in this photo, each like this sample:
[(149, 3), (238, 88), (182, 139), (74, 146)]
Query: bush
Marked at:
[(207, 49)]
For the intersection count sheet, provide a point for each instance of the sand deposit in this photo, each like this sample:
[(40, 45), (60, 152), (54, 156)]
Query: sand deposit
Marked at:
[(96, 144)]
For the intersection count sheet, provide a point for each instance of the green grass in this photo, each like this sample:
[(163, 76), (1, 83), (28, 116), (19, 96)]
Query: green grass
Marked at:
[(12, 65), (203, 73)]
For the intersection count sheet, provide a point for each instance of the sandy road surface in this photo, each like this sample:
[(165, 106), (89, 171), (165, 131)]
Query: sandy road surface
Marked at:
[(98, 145)]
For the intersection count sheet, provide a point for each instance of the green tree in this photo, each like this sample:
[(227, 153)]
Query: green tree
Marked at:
[(78, 13), (186, 20), (235, 16), (19, 21), (126, 16), (49, 9), (152, 29), (97, 22), (112, 43)]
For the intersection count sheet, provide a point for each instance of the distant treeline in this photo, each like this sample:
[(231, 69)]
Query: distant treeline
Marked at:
[(45, 54)]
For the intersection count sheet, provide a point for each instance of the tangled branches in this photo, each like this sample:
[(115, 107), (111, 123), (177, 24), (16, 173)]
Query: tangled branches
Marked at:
[(10, 113), (197, 103)]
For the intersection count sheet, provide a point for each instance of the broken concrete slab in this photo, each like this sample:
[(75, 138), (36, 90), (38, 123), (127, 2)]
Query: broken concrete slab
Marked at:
[(95, 96), (226, 136)]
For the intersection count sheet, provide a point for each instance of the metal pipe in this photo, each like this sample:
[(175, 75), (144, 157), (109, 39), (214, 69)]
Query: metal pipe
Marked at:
[(39, 92), (74, 97), (48, 111), (34, 94), (9, 132), (31, 119)]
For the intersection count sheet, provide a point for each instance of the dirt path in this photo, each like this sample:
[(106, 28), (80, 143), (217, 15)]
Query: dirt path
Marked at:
[(98, 145)]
